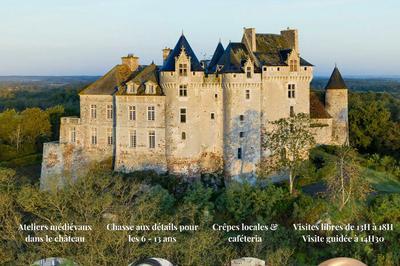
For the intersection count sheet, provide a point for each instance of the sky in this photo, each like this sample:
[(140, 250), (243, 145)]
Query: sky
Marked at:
[(88, 37)]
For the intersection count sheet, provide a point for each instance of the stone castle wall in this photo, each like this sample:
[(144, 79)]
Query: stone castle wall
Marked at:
[(61, 159), (336, 105), (194, 146), (140, 157), (224, 117), (242, 123), (322, 130), (211, 142)]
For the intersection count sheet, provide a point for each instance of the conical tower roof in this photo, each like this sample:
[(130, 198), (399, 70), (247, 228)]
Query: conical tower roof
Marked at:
[(219, 51), (336, 81)]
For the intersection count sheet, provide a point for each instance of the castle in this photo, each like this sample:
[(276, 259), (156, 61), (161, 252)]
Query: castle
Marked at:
[(191, 117)]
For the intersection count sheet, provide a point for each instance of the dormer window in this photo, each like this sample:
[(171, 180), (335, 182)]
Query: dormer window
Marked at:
[(131, 88), (150, 88), (183, 70), (248, 72), (293, 65)]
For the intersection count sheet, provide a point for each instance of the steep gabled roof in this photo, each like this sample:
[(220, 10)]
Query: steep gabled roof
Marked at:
[(219, 51), (273, 50), (270, 43), (233, 58), (146, 74), (169, 64), (317, 108), (336, 81), (109, 83)]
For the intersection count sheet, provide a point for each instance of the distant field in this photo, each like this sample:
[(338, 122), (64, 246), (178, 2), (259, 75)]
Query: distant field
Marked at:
[(20, 92), (47, 79), (389, 85), (382, 181)]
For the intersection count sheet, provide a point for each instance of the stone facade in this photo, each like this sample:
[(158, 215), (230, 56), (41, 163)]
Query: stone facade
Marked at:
[(190, 117)]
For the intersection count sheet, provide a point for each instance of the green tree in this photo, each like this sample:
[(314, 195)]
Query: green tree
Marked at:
[(24, 127), (244, 202), (34, 123), (374, 123), (55, 113), (288, 141)]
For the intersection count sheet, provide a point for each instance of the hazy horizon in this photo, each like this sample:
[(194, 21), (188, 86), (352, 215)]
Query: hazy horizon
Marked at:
[(76, 38)]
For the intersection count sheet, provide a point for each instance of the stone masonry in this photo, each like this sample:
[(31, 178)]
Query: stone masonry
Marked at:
[(191, 117)]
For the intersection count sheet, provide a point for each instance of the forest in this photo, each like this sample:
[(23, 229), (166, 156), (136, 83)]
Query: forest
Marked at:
[(368, 194)]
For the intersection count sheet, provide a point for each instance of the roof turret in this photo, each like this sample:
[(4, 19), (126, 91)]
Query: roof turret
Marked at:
[(219, 51), (169, 64)]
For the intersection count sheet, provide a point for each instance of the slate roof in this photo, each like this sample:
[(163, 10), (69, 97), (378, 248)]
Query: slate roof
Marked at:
[(270, 43), (109, 83), (233, 58), (219, 51), (336, 81), (317, 108), (273, 50), (169, 64), (145, 74)]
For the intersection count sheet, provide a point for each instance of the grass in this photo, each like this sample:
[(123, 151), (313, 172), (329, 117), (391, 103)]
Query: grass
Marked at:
[(382, 181), (27, 160)]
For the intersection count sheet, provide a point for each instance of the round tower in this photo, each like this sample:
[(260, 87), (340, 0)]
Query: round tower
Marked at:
[(336, 104)]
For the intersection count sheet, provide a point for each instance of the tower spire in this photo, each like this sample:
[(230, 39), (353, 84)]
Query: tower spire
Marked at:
[(336, 81)]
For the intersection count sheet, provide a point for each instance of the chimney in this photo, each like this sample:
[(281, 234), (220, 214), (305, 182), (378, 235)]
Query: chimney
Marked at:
[(292, 37), (131, 61), (250, 36), (165, 53)]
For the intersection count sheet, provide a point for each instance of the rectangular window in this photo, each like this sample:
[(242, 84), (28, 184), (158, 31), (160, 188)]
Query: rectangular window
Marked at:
[(212, 116), (293, 65), (247, 94), (291, 111), (152, 139), (248, 71), (151, 113), (241, 134), (239, 153), (132, 139), (132, 112), (109, 111), (291, 91), (94, 136), (93, 111), (183, 115), (183, 135), (109, 136), (183, 90), (130, 88), (73, 135), (183, 70), (241, 118)]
